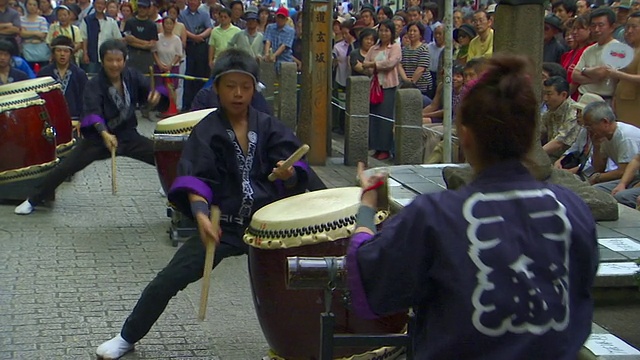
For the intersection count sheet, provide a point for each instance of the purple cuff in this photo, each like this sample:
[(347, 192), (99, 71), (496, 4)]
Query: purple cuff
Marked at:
[(193, 185), (90, 120), (162, 90), (358, 296), (303, 165)]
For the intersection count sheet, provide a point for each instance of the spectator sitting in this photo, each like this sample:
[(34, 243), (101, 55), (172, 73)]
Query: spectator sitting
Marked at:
[(559, 122)]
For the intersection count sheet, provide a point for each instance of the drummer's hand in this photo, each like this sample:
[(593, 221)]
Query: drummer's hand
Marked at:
[(369, 198), (282, 173), (110, 141), (154, 98), (205, 228)]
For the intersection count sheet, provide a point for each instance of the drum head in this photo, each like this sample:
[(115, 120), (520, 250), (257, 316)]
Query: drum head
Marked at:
[(305, 219), (29, 85), (19, 100), (183, 123)]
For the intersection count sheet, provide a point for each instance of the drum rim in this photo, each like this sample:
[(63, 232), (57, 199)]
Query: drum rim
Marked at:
[(27, 172), (19, 100), (184, 128), (37, 84)]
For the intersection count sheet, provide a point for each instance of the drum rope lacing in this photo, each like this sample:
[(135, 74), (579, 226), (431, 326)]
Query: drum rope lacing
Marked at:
[(37, 88), (307, 230), (27, 172), (178, 131)]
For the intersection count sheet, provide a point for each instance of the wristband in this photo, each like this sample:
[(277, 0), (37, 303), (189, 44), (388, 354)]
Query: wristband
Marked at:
[(100, 127), (364, 218), (200, 206)]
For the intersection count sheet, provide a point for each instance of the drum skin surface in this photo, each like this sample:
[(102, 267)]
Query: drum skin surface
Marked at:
[(314, 224), (22, 136), (55, 103)]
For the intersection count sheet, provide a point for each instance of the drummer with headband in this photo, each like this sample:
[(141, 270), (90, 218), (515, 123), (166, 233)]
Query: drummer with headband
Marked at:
[(109, 121), (501, 268), (69, 75), (225, 162)]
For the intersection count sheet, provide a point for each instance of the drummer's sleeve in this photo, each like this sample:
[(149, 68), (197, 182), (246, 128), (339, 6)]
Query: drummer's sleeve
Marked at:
[(144, 89), (197, 172), (282, 143), (92, 106), (386, 271)]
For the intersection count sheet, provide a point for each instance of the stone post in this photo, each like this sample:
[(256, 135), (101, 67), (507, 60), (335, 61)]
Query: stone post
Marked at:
[(268, 78), (408, 130), (356, 126), (287, 94)]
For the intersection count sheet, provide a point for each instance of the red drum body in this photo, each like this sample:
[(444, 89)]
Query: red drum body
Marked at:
[(27, 144), (312, 224), (168, 140), (56, 104)]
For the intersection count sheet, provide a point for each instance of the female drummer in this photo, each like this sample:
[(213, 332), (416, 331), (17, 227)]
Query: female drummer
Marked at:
[(109, 121), (499, 269), (225, 162)]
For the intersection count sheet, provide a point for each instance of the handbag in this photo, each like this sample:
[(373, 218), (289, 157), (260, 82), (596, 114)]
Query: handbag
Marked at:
[(376, 96)]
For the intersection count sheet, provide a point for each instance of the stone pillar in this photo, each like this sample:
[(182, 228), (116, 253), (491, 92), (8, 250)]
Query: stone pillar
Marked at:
[(408, 130), (268, 78), (287, 94), (356, 126), (316, 79)]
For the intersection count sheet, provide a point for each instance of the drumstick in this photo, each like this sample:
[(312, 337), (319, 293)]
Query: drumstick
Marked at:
[(292, 159), (153, 79), (208, 263), (114, 185)]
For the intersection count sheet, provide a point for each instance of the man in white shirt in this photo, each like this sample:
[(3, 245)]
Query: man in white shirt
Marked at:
[(591, 72), (613, 140)]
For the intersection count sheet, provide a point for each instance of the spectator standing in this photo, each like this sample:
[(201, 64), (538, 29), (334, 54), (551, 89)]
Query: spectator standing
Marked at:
[(198, 26), (416, 61), (141, 35), (113, 12), (237, 11), (482, 44), (627, 95), (178, 28), (564, 9), (127, 12), (463, 36), (168, 51), (435, 49), (86, 9), (581, 37), (368, 37), (553, 49), (250, 39), (221, 35), (9, 22), (64, 27), (96, 28), (583, 8), (278, 39), (383, 61), (622, 14), (34, 32), (264, 16), (46, 11)]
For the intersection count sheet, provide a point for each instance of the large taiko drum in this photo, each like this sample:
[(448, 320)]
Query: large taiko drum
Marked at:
[(318, 223), (56, 104), (27, 143), (168, 140)]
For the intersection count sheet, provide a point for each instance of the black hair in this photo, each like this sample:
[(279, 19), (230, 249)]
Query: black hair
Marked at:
[(387, 11), (560, 84), (6, 46), (62, 41), (554, 69), (457, 69), (415, 8), (113, 45), (234, 3), (417, 24), (569, 6), (368, 32), (225, 10), (603, 11), (391, 26), (433, 7), (235, 59), (476, 64)]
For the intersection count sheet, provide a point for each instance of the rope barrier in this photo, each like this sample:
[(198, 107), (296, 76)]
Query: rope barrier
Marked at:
[(178, 76)]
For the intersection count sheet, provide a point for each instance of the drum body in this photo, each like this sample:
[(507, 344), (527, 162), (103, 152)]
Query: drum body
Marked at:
[(56, 104), (168, 141), (27, 144), (313, 224)]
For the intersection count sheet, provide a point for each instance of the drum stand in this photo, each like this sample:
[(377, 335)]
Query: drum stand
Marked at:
[(181, 228), (329, 339)]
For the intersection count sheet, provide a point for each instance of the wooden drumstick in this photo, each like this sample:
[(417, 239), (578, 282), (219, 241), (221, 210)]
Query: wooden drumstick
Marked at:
[(302, 151), (208, 263), (114, 185), (153, 79)]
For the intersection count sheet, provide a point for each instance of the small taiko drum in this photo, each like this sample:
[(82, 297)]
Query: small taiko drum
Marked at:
[(168, 140), (56, 104), (318, 223), (27, 143)]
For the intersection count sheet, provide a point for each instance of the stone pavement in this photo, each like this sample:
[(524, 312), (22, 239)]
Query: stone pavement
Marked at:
[(70, 274)]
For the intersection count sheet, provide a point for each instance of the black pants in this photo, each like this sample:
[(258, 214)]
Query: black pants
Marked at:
[(186, 266), (197, 65), (87, 151)]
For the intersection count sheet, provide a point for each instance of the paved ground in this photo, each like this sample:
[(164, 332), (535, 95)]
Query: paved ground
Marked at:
[(69, 275)]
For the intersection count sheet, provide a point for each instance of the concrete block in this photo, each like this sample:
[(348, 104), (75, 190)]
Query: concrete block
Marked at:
[(356, 128), (268, 78), (408, 131), (287, 94)]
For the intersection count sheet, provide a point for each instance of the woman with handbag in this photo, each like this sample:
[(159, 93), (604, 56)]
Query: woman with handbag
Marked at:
[(382, 62)]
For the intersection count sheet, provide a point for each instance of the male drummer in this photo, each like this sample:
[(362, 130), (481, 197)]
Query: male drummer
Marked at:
[(109, 121), (69, 75), (225, 162), (8, 74)]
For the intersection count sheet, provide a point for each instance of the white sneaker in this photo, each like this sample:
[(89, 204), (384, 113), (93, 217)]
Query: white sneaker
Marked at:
[(24, 209), (114, 348)]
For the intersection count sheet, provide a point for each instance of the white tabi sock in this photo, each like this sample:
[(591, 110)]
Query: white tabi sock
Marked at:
[(114, 348)]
